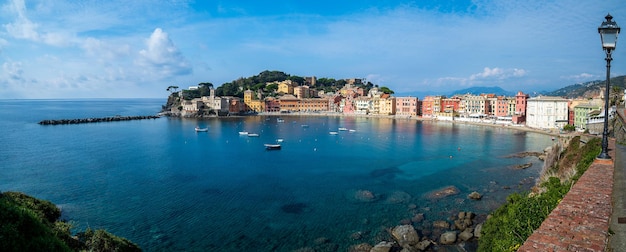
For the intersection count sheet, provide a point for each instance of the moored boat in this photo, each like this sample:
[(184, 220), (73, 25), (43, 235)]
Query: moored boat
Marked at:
[(253, 134), (333, 133), (343, 129), (272, 146), (243, 133), (198, 129)]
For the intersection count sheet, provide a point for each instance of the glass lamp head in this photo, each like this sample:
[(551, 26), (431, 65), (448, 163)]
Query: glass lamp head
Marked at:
[(608, 33)]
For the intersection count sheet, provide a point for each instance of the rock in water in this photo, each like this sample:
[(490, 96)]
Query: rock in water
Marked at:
[(442, 193), (475, 196), (405, 235), (383, 246), (447, 238)]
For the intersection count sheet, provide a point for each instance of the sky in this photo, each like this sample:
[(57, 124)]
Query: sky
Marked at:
[(58, 49)]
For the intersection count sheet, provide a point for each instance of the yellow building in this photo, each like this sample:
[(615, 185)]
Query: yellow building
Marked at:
[(285, 87), (251, 104)]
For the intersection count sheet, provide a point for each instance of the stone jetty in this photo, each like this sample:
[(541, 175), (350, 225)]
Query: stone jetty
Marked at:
[(95, 120)]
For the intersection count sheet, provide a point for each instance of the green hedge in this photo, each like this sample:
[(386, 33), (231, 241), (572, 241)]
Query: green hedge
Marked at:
[(512, 223)]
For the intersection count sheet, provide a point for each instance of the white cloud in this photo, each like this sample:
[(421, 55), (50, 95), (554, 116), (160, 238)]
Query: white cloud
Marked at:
[(13, 70), (497, 73), (22, 27), (162, 57)]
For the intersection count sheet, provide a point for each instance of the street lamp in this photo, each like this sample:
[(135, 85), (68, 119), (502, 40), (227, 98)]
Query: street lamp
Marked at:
[(608, 34)]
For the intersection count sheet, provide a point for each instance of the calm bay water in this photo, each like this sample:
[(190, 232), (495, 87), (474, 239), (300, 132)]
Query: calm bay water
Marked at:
[(168, 188)]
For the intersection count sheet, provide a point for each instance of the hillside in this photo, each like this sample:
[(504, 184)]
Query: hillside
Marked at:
[(588, 89)]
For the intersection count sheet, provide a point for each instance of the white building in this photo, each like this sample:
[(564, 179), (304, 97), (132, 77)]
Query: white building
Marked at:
[(363, 105), (547, 112)]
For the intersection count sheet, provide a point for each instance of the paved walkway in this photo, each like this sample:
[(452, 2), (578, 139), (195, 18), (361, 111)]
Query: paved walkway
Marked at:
[(581, 221)]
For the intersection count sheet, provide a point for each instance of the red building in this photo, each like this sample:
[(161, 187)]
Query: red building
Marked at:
[(521, 100)]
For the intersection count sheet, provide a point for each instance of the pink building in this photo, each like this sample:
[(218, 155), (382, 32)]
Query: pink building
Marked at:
[(502, 107), (407, 106)]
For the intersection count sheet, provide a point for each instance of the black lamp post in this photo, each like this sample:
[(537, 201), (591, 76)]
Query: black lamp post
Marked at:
[(608, 34)]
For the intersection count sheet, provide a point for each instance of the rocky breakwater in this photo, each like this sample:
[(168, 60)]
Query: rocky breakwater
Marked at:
[(95, 120)]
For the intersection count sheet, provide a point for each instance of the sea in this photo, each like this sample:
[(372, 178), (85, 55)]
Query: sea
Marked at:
[(166, 187)]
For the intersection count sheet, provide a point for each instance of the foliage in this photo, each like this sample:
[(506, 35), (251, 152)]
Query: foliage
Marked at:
[(172, 89), (512, 223), (30, 224), (386, 90), (24, 229), (101, 240), (259, 83), (569, 128)]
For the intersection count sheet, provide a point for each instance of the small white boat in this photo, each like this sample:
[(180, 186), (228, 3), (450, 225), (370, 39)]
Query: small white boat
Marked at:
[(352, 130), (280, 140), (198, 129), (243, 133), (253, 134), (272, 146), (304, 125), (280, 120), (333, 133), (343, 129)]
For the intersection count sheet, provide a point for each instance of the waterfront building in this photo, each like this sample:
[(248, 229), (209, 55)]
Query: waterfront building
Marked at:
[(431, 106), (451, 105), (407, 106), (191, 106), (347, 105), (521, 100), (335, 103), (476, 105), (363, 105), (289, 103), (252, 105), (387, 105), (272, 104), (582, 113), (547, 112), (313, 105), (511, 106)]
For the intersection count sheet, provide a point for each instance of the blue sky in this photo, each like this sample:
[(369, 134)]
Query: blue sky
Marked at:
[(133, 49)]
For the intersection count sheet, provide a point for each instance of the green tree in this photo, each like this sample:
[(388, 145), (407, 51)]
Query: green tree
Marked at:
[(297, 79), (386, 90), (172, 89), (569, 128)]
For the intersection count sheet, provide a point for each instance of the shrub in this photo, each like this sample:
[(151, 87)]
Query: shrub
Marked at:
[(31, 224), (512, 223)]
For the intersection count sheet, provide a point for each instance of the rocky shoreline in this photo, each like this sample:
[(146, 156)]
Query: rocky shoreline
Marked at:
[(95, 120)]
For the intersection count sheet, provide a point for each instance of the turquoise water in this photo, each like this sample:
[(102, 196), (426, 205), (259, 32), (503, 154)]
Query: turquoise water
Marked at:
[(169, 188)]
